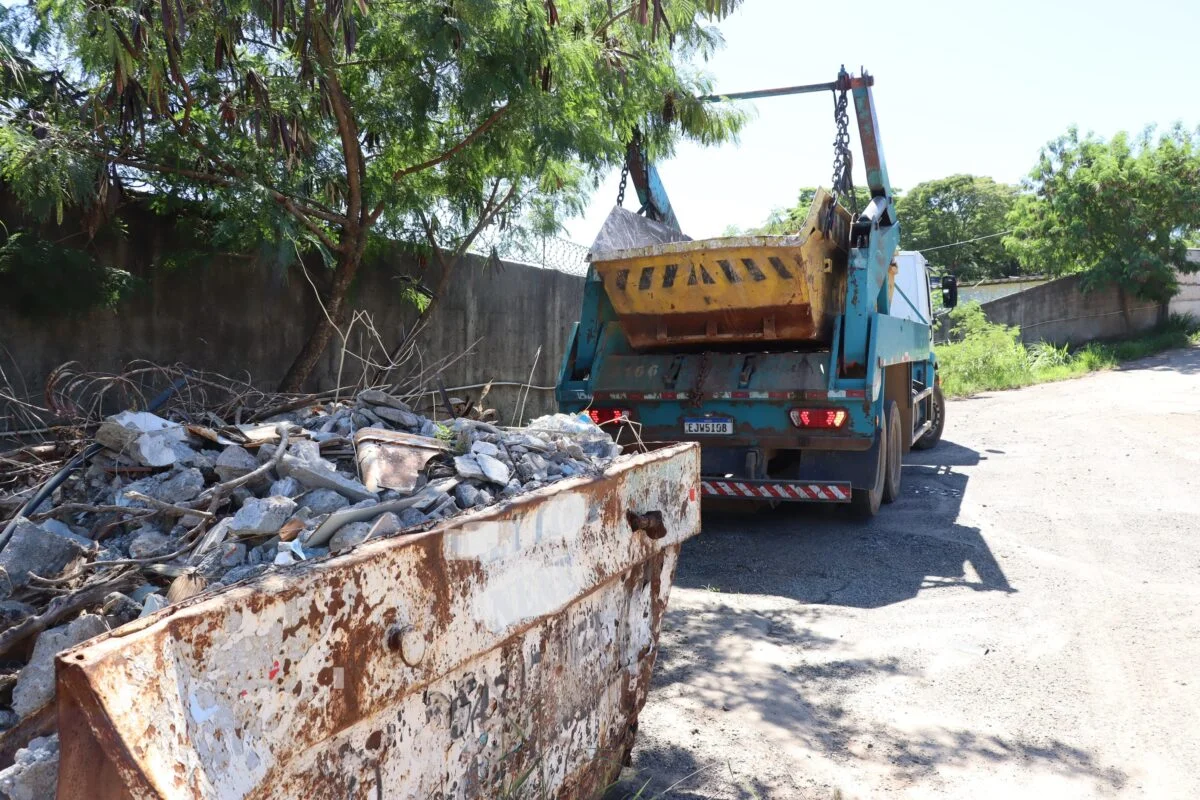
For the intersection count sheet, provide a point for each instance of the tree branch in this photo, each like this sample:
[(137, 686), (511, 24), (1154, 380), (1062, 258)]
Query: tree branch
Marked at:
[(308, 223), (481, 129)]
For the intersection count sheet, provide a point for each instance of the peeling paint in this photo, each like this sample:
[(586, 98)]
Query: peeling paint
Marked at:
[(535, 623)]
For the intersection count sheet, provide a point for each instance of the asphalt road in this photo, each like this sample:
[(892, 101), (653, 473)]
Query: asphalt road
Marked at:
[(1023, 622)]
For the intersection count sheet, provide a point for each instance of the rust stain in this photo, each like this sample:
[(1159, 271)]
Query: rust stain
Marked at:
[(539, 621)]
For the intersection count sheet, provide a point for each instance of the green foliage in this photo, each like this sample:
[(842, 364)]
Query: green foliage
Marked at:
[(984, 356), (957, 209), (40, 278), (297, 121), (1119, 212), (783, 221)]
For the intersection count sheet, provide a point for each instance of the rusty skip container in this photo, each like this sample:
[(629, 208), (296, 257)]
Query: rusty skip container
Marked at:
[(741, 289), (505, 654)]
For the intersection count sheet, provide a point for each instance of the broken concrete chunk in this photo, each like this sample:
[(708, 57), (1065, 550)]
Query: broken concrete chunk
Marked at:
[(234, 462), (120, 608), (309, 452), (405, 419), (466, 495), (485, 448), (233, 554), (63, 529), (411, 517), (384, 525), (35, 683), (316, 478), (349, 535), (215, 535), (152, 604), (323, 501), (286, 487), (186, 456), (33, 774), (469, 468), (180, 486), (147, 439), (494, 469), (262, 516), (34, 548), (149, 541), (377, 397)]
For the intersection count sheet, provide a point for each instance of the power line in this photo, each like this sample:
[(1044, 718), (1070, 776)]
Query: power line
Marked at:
[(968, 241)]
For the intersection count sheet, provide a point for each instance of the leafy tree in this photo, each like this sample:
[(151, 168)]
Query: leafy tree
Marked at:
[(307, 126), (783, 221), (1120, 212), (959, 209)]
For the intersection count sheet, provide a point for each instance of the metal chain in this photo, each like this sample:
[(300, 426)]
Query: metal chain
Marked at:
[(843, 161), (624, 178)]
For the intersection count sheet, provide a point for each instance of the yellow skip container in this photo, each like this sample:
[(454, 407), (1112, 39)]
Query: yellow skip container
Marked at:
[(742, 289)]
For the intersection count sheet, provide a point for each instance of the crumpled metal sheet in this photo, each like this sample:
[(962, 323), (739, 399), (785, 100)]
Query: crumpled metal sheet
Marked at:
[(503, 654), (625, 230), (393, 460)]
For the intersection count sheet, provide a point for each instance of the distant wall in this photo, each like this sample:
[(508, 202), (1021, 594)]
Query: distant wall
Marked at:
[(1061, 312), (986, 291), (1188, 299), (238, 319)]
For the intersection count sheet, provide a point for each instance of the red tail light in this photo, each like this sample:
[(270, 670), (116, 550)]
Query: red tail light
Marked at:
[(818, 417), (600, 416)]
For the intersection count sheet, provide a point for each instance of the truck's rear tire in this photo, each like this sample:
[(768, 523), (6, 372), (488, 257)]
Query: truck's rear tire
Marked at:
[(934, 434), (865, 502), (895, 454)]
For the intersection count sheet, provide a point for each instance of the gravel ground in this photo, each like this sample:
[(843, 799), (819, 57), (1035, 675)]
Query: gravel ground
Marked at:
[(1023, 622)]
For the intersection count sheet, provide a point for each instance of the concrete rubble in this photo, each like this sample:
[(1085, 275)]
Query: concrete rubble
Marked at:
[(180, 508)]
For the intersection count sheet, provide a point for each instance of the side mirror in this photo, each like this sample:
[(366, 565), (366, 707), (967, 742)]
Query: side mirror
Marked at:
[(949, 291)]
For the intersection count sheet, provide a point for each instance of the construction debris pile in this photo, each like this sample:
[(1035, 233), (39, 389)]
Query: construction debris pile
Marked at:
[(162, 510)]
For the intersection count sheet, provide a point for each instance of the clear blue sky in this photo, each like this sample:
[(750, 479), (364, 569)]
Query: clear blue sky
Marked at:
[(960, 87)]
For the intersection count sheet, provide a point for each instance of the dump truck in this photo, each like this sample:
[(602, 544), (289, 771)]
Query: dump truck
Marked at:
[(803, 363)]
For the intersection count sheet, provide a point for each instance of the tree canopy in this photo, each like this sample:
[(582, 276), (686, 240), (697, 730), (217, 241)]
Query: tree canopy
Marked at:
[(307, 126), (965, 211), (783, 221), (1119, 211)]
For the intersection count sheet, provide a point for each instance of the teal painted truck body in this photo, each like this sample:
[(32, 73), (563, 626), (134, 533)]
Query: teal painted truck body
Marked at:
[(785, 357)]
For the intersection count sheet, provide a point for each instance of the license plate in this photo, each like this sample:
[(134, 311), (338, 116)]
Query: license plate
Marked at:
[(710, 426)]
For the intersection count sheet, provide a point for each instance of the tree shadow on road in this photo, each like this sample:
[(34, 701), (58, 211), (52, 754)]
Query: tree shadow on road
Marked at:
[(794, 690), (822, 554)]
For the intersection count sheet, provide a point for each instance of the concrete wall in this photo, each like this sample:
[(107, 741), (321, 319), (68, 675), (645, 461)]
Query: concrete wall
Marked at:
[(986, 291), (238, 319), (1061, 312), (1188, 299)]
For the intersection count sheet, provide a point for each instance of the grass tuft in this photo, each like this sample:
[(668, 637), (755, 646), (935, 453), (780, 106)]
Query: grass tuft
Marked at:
[(987, 357)]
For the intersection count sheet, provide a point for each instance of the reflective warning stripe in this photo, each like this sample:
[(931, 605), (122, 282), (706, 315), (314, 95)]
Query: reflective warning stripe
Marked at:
[(816, 492), (839, 394)]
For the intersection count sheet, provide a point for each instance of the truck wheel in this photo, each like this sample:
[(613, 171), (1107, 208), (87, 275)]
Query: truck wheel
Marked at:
[(865, 502), (934, 434), (895, 454)]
